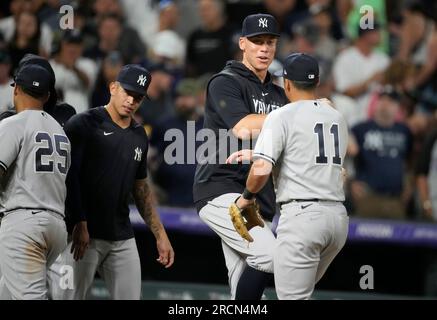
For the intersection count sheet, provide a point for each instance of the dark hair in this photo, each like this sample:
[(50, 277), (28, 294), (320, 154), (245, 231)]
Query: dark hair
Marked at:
[(304, 86), (110, 16), (40, 96), (34, 42)]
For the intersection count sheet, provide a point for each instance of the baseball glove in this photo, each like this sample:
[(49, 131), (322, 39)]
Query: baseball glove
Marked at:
[(245, 219)]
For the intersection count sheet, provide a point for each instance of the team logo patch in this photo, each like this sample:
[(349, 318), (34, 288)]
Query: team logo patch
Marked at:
[(142, 80), (262, 22), (138, 154)]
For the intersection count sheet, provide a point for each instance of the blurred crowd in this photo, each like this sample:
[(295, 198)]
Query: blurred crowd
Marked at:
[(382, 77)]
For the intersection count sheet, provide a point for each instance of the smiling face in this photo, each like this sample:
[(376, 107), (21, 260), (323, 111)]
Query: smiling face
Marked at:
[(125, 102), (258, 52)]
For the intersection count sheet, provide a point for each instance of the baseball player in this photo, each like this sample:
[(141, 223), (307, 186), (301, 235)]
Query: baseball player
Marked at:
[(60, 111), (35, 156), (239, 99), (306, 140), (109, 152)]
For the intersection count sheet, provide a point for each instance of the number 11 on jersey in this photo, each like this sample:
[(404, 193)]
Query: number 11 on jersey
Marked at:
[(322, 158)]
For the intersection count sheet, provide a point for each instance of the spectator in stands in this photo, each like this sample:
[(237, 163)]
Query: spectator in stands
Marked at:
[(6, 90), (176, 178), (280, 9), (380, 148), (311, 8), (160, 102), (113, 35), (354, 17), (416, 30), (75, 75), (359, 67), (8, 24), (47, 12), (426, 173), (396, 76), (167, 46), (424, 84), (26, 38), (209, 47), (109, 70)]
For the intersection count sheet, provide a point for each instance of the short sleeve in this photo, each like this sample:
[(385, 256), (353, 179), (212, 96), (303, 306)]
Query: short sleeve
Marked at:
[(226, 98), (76, 128), (142, 169), (11, 137), (271, 141)]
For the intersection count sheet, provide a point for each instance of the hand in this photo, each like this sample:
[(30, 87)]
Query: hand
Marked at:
[(80, 240), (165, 250), (240, 156), (243, 203)]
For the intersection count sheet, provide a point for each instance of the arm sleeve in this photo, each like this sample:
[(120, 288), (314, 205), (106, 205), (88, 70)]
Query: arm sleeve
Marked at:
[(424, 161), (11, 137), (76, 131), (225, 97), (272, 138)]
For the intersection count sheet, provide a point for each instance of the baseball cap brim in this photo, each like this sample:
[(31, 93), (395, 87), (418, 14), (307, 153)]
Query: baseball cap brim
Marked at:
[(129, 87), (278, 73), (262, 33)]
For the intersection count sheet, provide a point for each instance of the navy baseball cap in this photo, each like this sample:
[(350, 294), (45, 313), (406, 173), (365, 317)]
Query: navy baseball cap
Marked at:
[(34, 78), (133, 77), (257, 24), (300, 67), (30, 58)]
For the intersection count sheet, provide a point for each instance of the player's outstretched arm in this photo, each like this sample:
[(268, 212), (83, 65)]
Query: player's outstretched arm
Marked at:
[(143, 200), (249, 127), (241, 156), (258, 176)]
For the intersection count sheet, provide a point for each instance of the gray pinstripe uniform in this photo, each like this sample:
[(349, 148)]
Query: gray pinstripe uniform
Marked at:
[(35, 152), (306, 141)]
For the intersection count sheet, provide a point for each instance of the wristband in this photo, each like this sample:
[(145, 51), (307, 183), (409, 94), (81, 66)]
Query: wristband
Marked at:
[(248, 195)]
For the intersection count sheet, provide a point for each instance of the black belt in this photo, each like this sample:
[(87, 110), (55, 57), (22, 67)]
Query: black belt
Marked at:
[(303, 200), (299, 200)]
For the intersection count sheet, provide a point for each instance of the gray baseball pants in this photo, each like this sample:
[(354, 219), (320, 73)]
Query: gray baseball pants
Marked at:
[(117, 263), (30, 241), (237, 251), (309, 236)]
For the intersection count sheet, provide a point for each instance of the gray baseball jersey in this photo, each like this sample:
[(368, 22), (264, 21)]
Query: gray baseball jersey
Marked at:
[(307, 140), (35, 152)]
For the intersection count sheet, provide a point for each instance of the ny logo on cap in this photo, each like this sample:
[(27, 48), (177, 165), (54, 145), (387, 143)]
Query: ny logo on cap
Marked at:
[(35, 84), (142, 80), (262, 22), (311, 76)]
